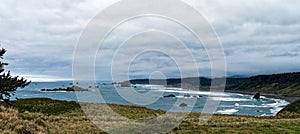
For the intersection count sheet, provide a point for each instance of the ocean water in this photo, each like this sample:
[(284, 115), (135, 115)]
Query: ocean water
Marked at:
[(230, 103)]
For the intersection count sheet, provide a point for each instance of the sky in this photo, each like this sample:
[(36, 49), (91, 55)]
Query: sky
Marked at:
[(258, 37)]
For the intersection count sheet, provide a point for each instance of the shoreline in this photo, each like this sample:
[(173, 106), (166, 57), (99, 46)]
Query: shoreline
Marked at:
[(275, 96)]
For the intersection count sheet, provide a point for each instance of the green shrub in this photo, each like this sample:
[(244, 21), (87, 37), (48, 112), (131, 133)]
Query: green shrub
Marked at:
[(291, 111), (44, 105)]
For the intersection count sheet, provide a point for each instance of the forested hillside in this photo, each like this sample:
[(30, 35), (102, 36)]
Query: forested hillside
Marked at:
[(286, 84)]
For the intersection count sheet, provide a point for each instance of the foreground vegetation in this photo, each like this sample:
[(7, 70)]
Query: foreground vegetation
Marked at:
[(51, 116), (8, 83)]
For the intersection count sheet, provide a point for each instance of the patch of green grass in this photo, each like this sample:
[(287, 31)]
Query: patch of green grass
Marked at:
[(43, 105), (135, 112), (293, 107), (290, 111)]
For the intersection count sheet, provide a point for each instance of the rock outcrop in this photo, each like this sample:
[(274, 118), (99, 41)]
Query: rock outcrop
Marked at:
[(168, 96), (183, 105), (256, 96), (68, 89)]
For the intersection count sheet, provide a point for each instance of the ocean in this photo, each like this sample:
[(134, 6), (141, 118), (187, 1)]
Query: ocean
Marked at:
[(153, 97)]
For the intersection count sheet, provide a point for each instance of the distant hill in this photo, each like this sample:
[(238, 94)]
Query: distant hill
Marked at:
[(194, 83), (238, 76), (286, 84)]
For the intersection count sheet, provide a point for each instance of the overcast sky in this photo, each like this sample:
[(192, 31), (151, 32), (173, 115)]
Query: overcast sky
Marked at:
[(258, 37)]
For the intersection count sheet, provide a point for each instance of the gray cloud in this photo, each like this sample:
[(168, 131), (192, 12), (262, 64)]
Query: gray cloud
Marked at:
[(258, 36)]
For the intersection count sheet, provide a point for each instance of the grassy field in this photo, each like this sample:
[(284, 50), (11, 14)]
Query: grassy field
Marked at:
[(50, 116)]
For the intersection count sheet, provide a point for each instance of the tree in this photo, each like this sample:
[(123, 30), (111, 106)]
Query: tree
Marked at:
[(9, 84)]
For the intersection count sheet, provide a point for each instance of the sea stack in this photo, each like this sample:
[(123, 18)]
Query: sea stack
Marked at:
[(168, 96), (183, 105), (256, 96)]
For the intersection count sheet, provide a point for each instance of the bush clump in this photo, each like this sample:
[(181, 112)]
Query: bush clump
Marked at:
[(291, 111), (43, 105)]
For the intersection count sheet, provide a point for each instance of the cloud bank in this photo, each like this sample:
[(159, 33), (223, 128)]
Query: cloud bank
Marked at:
[(258, 37)]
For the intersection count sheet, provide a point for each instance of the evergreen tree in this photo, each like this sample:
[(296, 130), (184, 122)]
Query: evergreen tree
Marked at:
[(8, 83)]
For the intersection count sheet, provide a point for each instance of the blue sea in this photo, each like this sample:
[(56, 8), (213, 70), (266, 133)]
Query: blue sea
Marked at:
[(230, 103)]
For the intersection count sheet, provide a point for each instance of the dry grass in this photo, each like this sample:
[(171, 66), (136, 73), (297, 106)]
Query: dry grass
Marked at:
[(74, 121), (14, 122)]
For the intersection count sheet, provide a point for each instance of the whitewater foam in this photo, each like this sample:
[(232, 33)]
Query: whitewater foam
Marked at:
[(194, 92), (227, 99), (227, 111)]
